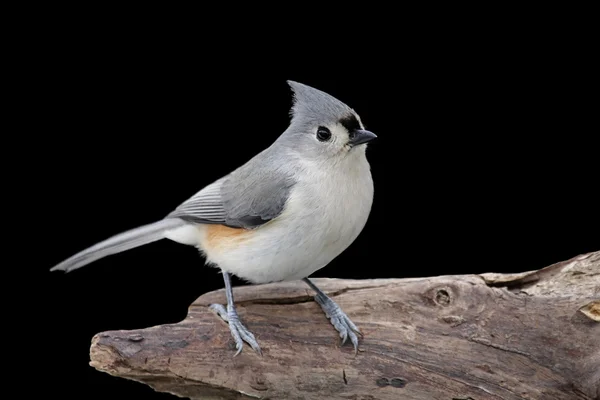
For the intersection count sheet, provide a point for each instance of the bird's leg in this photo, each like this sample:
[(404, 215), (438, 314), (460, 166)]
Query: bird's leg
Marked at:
[(229, 314), (338, 318)]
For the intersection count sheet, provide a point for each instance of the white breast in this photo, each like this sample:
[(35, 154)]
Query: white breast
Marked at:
[(325, 213)]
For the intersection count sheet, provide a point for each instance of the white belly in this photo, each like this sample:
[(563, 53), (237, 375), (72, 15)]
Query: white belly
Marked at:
[(320, 221)]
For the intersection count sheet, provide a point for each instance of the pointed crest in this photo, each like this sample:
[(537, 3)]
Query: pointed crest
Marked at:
[(315, 104)]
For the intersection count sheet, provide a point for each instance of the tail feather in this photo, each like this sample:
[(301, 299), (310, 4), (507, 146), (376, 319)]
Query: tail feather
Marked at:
[(121, 242)]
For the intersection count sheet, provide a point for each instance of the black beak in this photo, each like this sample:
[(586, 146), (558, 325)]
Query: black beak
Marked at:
[(360, 136)]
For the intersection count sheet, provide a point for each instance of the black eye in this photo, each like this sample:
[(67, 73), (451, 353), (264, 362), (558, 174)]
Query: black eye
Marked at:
[(323, 134)]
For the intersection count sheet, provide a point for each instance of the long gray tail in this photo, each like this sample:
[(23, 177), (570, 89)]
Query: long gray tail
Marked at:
[(121, 242)]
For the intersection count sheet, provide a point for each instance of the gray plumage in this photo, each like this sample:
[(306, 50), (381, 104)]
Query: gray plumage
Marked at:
[(252, 199), (250, 196), (312, 105), (294, 207), (257, 192), (116, 244)]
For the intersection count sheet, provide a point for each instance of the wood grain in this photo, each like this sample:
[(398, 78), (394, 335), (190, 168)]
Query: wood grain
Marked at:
[(533, 335)]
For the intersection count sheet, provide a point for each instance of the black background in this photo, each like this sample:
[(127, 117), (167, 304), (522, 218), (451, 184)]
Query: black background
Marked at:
[(485, 162)]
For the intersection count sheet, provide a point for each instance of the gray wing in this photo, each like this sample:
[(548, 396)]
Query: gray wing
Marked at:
[(247, 198), (206, 206)]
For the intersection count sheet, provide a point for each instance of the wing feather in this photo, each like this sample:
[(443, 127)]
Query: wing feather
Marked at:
[(206, 206), (242, 199)]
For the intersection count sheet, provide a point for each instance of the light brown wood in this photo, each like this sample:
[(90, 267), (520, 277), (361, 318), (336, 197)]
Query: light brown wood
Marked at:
[(533, 335)]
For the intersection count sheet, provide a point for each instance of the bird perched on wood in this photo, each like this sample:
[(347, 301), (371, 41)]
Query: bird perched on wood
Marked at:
[(284, 214)]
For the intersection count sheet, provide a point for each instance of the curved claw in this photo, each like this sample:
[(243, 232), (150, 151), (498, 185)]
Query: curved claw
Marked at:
[(238, 331), (340, 321)]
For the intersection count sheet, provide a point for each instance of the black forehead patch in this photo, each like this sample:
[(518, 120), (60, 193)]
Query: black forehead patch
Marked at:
[(350, 123)]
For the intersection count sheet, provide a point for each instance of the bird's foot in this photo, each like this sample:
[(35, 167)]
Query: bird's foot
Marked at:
[(339, 320), (239, 332)]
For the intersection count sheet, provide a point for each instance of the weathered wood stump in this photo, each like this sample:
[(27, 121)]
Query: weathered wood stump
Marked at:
[(534, 335)]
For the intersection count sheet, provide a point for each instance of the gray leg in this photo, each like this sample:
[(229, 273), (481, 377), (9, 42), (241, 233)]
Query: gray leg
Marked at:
[(338, 318), (229, 314)]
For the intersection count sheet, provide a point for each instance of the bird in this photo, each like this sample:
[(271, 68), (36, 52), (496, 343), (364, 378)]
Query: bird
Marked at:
[(284, 214)]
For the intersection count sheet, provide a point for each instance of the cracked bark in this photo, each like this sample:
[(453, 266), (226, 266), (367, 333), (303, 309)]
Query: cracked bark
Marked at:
[(534, 335)]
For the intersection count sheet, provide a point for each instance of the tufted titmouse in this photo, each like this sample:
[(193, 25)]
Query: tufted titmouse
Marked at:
[(286, 213)]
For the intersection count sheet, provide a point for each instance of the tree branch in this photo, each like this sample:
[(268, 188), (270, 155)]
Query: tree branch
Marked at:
[(534, 335)]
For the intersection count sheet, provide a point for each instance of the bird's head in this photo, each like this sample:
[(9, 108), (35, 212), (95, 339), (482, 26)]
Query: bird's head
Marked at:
[(323, 126)]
